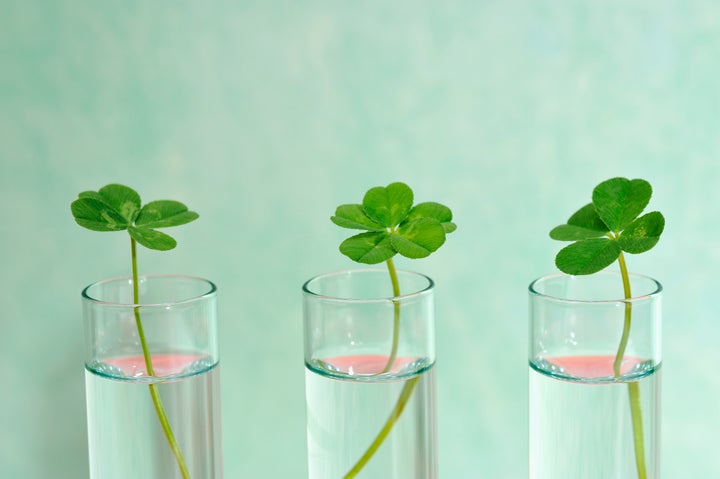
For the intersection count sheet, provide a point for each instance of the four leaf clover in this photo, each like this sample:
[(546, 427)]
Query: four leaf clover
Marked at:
[(117, 207), (611, 224), (393, 225)]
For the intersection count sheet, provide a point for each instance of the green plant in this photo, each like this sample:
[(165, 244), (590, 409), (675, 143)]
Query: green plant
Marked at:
[(118, 208), (601, 232), (392, 226)]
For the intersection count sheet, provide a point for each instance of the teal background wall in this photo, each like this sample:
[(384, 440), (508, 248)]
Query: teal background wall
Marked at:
[(265, 115)]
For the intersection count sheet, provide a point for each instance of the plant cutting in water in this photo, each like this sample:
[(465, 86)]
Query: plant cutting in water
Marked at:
[(118, 208), (392, 225), (601, 232)]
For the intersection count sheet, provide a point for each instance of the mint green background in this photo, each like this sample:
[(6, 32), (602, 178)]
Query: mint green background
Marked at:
[(263, 116)]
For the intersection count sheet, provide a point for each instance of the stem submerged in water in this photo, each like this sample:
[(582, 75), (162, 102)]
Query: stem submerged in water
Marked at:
[(633, 388), (405, 394), (407, 390), (154, 393)]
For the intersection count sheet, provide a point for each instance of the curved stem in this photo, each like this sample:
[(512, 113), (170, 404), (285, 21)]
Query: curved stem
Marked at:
[(396, 316), (405, 394), (407, 390), (633, 387), (154, 393)]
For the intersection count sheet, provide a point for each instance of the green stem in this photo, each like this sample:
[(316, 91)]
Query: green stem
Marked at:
[(407, 390), (628, 317), (396, 316), (633, 388), (405, 394), (637, 422), (154, 393)]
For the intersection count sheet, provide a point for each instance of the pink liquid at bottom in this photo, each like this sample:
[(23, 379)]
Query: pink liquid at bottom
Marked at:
[(593, 366), (368, 364), (163, 364)]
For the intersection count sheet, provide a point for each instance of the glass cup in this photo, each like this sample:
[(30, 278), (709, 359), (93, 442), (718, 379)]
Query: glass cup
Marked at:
[(152, 378), (369, 375), (595, 363)]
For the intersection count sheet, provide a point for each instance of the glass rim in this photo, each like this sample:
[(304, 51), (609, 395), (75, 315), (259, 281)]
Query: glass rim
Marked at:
[(643, 297), (402, 297), (212, 290)]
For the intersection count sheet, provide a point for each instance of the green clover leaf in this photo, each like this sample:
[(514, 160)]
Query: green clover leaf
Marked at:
[(354, 217), (388, 205), (583, 224), (418, 238), (587, 256), (393, 225), (433, 210), (609, 225), (643, 233), (122, 199), (163, 214), (370, 248), (618, 201), (117, 207), (95, 214)]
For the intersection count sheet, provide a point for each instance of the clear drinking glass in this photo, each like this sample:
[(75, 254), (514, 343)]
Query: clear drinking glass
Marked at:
[(595, 362), (147, 413), (369, 376)]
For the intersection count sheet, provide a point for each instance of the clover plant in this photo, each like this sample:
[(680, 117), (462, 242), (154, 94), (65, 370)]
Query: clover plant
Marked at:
[(601, 232), (392, 225), (118, 208)]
